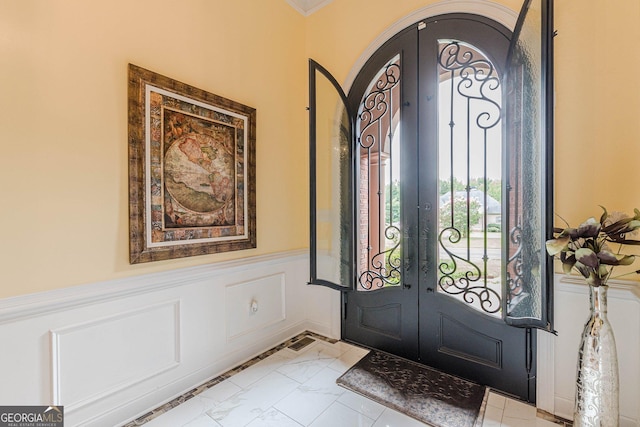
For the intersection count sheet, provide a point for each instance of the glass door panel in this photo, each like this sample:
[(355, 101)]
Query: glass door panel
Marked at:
[(470, 177), (330, 178), (379, 247), (529, 157)]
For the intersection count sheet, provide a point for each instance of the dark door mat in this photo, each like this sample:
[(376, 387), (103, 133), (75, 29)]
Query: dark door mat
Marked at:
[(423, 393)]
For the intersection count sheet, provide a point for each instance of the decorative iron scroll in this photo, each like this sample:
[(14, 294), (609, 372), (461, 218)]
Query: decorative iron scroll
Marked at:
[(379, 264), (515, 282), (465, 285), (473, 79), (478, 77), (385, 267), (376, 105)]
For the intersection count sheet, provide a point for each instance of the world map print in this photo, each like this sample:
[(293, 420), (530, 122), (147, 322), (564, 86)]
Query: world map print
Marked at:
[(198, 172), (197, 185)]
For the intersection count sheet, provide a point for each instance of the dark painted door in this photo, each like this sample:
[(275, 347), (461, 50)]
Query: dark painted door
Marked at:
[(435, 273), (383, 310), (460, 139), (446, 251)]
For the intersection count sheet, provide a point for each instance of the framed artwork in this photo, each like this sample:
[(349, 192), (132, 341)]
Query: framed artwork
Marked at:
[(192, 180)]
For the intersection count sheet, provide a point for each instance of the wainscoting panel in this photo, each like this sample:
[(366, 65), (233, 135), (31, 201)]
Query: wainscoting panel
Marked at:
[(111, 351), (254, 305), (115, 352)]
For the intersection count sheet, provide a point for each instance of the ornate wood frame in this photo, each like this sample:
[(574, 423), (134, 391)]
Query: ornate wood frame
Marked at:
[(192, 162)]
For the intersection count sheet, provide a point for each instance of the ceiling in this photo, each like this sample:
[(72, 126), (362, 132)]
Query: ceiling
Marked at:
[(307, 7)]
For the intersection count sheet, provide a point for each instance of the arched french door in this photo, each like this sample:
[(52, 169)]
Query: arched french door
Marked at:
[(431, 217)]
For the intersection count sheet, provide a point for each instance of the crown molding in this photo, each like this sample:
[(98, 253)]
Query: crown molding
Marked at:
[(307, 7)]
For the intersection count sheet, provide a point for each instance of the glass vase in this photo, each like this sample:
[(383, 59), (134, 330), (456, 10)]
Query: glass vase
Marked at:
[(597, 401)]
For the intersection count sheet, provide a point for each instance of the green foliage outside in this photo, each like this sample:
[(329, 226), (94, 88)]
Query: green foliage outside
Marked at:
[(392, 213), (392, 196), (460, 215), (392, 202), (494, 186), (493, 228)]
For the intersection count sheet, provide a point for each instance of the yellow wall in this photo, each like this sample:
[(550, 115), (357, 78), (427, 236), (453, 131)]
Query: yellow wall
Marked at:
[(63, 115), (597, 107), (597, 142), (63, 122), (597, 145)]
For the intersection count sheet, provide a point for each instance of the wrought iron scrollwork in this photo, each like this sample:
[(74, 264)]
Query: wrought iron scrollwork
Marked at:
[(515, 281), (381, 265), (477, 80), (474, 80), (467, 281), (385, 267), (376, 104)]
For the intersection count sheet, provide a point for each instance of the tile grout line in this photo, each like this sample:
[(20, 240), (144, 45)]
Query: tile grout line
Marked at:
[(360, 413), (166, 407)]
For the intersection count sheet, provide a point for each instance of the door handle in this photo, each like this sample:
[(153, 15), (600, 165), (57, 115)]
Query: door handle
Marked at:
[(424, 262)]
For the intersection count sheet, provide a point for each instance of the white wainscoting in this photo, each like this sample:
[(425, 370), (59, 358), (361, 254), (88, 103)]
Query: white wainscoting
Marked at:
[(571, 313), (111, 351), (139, 345), (260, 303)]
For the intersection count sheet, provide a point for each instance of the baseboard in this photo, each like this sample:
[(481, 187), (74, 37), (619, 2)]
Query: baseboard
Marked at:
[(545, 381), (180, 386), (322, 329), (564, 407)]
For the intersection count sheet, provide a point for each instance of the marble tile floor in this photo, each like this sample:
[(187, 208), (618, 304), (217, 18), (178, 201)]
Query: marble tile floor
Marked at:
[(288, 388)]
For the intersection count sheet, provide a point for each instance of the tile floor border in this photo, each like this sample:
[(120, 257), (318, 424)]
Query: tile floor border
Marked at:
[(489, 398), (554, 418), (224, 376)]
